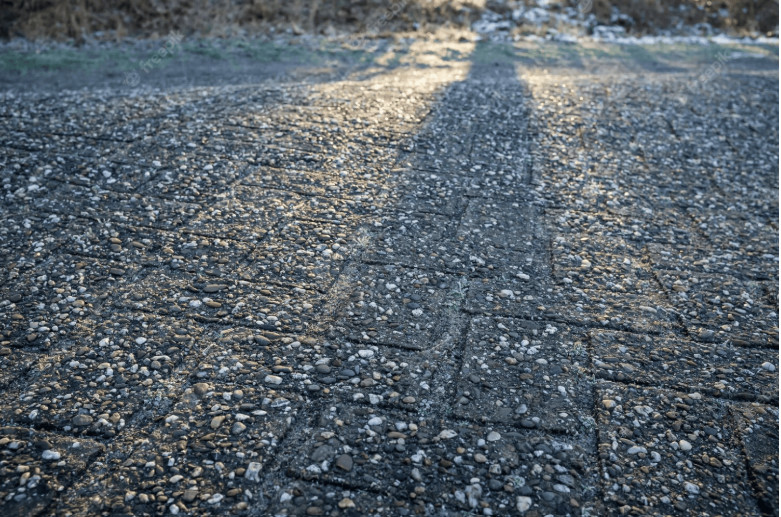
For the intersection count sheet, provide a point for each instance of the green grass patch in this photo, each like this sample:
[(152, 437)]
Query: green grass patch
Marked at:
[(59, 59)]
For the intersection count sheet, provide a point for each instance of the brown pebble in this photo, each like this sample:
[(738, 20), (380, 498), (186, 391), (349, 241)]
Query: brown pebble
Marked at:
[(346, 503), (217, 421)]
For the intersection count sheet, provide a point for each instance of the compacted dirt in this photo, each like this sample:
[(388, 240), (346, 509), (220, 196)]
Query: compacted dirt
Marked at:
[(452, 278)]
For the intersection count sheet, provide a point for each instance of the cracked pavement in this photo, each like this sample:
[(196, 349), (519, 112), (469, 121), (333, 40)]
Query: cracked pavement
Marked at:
[(455, 278)]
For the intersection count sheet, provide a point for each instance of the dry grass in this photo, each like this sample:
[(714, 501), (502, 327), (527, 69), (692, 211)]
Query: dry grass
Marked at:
[(73, 19), (149, 18), (742, 16)]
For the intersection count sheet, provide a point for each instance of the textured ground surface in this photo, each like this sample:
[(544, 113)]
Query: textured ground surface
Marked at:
[(450, 278)]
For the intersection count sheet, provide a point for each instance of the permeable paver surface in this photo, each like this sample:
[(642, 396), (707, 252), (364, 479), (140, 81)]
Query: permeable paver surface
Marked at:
[(445, 278)]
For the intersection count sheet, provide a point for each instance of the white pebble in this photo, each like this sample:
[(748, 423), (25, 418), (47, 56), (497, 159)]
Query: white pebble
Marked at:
[(50, 455), (447, 434), (253, 469), (523, 503)]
